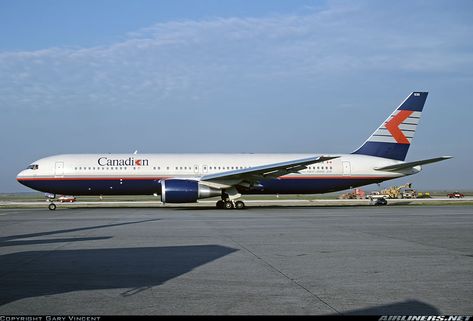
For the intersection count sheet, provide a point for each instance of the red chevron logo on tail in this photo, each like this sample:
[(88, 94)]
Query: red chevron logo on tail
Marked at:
[(393, 126)]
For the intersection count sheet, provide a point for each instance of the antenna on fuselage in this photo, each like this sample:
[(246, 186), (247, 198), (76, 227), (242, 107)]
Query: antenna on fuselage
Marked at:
[(135, 152)]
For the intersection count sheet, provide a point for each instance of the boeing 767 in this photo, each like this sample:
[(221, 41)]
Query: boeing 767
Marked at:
[(186, 178)]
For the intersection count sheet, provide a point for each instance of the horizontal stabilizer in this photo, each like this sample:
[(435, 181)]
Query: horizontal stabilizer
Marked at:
[(401, 166)]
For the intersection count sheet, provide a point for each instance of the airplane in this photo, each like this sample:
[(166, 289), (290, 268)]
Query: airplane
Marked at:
[(187, 178)]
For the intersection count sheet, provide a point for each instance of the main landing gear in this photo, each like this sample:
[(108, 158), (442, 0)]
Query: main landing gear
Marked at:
[(228, 204), (52, 206), (229, 200)]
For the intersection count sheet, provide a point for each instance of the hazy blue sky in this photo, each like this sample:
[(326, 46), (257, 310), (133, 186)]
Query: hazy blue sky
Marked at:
[(233, 76)]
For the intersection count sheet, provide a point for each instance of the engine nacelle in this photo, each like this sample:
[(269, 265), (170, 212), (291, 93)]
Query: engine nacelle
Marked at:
[(185, 191)]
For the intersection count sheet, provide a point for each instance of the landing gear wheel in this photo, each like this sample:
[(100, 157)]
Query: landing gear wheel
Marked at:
[(228, 205), (52, 207), (220, 204), (239, 205)]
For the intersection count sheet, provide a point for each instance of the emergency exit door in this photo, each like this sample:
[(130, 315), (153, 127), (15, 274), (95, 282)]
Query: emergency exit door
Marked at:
[(346, 168), (59, 169)]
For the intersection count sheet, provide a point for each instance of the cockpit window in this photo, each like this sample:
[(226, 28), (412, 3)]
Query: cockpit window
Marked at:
[(33, 166)]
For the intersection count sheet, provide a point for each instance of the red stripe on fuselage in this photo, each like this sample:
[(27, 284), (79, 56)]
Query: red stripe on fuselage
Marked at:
[(87, 178), (160, 178)]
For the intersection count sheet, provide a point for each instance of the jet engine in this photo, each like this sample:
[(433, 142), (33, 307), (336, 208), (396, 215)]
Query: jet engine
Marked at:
[(185, 191)]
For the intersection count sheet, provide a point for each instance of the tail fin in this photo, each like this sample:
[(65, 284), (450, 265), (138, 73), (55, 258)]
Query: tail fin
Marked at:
[(393, 138)]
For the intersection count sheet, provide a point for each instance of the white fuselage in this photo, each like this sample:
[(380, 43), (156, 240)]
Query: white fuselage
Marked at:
[(119, 174)]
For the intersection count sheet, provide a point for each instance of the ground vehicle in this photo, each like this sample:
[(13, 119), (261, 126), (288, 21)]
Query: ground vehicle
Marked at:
[(423, 195), (66, 198), (358, 193), (394, 192), (379, 202), (456, 194), (409, 193)]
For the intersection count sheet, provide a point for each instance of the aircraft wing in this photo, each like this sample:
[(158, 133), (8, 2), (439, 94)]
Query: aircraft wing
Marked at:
[(401, 166), (266, 171)]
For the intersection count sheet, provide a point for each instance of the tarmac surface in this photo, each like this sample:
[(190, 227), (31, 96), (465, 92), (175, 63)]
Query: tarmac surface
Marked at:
[(467, 200), (265, 260)]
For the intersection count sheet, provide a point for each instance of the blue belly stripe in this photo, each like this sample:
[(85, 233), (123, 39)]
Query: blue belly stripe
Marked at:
[(150, 186)]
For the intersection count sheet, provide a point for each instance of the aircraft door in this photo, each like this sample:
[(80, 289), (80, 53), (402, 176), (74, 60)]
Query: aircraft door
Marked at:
[(346, 168), (59, 169)]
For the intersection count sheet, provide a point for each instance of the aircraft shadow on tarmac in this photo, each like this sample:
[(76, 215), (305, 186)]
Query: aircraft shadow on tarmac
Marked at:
[(39, 273), (16, 239), (408, 307)]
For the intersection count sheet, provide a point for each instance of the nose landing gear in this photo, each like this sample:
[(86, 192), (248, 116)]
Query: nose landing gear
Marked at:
[(50, 198)]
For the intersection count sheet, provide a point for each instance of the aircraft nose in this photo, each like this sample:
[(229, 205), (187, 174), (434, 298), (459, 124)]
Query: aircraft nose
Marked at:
[(20, 176)]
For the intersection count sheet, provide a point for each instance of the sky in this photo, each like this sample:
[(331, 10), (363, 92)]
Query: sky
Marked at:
[(233, 76)]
